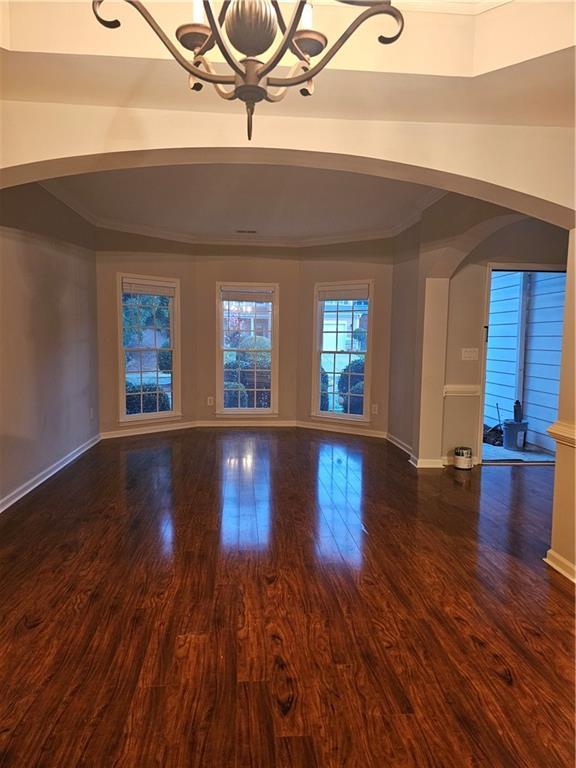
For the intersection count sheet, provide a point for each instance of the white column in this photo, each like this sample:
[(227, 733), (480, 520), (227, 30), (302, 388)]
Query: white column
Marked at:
[(562, 552)]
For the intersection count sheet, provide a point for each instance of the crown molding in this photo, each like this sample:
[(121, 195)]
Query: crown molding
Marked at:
[(281, 241), (457, 7), (53, 188)]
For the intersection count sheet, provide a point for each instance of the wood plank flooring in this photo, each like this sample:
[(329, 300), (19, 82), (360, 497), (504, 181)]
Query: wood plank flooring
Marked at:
[(283, 599)]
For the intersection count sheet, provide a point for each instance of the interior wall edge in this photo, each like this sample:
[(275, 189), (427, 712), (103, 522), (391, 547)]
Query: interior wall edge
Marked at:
[(27, 487), (399, 444)]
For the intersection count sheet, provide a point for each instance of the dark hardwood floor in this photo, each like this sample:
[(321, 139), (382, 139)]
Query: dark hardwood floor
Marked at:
[(276, 598)]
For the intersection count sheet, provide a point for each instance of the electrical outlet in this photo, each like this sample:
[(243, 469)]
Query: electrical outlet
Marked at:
[(91, 414), (374, 409), (210, 400)]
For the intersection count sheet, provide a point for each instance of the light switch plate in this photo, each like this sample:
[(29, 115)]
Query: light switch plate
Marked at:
[(470, 353)]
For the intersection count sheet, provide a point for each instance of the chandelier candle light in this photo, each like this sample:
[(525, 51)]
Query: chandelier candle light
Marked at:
[(250, 28)]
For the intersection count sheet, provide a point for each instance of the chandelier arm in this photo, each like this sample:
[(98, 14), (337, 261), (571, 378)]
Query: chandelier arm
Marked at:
[(278, 95), (110, 24), (294, 47), (222, 92), (209, 42), (375, 10), (286, 40), (208, 77), (220, 41)]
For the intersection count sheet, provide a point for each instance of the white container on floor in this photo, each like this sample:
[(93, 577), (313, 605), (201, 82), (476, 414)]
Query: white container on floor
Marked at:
[(463, 457)]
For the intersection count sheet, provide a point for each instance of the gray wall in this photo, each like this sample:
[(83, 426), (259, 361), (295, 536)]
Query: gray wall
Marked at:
[(48, 373)]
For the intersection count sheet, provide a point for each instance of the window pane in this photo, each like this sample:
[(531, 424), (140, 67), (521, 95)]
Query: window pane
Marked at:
[(341, 363), (165, 381), (149, 360), (133, 361), (327, 362), (130, 315), (344, 341), (133, 382), (162, 315), (263, 379), (149, 402), (263, 399), (248, 378), (150, 380), (131, 337), (329, 340), (355, 405), (231, 394), (344, 320), (165, 362), (165, 401), (147, 338), (133, 404), (163, 338), (147, 300)]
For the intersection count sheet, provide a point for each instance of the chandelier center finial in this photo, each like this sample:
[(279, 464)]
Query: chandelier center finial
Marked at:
[(251, 26)]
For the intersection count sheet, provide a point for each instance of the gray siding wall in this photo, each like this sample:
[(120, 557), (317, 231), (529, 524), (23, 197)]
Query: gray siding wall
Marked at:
[(543, 350)]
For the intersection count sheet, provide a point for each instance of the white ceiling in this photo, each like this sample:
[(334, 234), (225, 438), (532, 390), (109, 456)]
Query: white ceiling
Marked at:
[(285, 205)]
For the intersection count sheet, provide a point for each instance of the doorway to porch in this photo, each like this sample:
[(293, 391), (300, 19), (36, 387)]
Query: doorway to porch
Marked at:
[(522, 366)]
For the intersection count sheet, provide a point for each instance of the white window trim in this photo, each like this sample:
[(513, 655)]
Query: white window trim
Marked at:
[(315, 411), (176, 413), (249, 412)]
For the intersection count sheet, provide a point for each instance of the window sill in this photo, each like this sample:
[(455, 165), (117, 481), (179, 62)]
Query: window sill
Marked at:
[(161, 416), (258, 412), (340, 417)]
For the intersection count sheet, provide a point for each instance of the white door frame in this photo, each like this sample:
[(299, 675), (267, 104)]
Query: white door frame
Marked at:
[(495, 266)]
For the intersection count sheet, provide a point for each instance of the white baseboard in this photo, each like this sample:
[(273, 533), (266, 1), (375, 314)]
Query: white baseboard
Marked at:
[(148, 429), (560, 564), (226, 421), (25, 488), (348, 429), (426, 463), (400, 444), (345, 429)]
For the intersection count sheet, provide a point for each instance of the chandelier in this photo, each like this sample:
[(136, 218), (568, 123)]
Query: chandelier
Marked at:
[(251, 27)]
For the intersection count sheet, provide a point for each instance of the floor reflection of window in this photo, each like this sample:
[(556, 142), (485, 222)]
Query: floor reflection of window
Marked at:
[(149, 476), (339, 500), (245, 494), (167, 534)]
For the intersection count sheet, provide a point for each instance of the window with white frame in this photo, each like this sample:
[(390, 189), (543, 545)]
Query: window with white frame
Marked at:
[(149, 359), (341, 355), (247, 354)]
